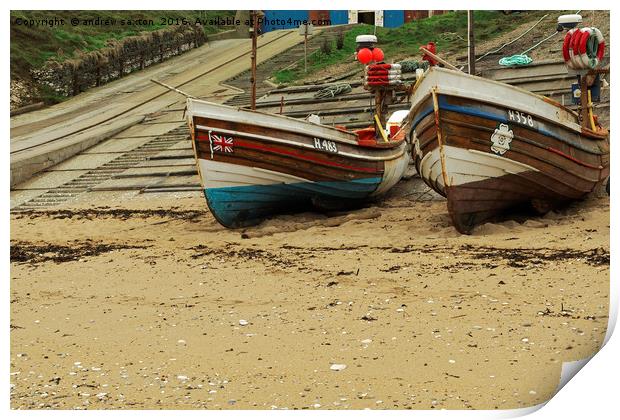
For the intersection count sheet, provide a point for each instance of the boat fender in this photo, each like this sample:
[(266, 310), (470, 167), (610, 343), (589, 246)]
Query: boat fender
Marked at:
[(566, 45), (583, 48), (382, 72), (600, 51), (383, 83), (574, 62), (384, 77), (581, 56), (383, 66)]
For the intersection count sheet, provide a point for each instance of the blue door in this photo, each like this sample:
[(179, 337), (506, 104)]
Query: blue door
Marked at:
[(393, 18), (339, 17), (283, 19)]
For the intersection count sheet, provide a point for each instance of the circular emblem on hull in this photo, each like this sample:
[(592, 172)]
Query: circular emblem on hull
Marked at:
[(501, 138)]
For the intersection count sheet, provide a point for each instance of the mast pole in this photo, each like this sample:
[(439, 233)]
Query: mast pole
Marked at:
[(254, 16), (471, 61)]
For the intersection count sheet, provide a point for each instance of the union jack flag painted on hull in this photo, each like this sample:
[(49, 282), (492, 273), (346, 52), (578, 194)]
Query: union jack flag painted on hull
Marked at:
[(221, 143)]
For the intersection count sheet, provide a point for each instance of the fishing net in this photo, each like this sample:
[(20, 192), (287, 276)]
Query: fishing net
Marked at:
[(410, 66)]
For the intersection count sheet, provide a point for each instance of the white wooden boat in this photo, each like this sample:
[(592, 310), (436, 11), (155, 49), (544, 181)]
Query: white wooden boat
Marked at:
[(253, 164), (489, 147)]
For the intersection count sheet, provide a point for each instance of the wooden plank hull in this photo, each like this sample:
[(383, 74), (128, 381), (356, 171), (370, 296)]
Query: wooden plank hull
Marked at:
[(489, 148), (253, 165)]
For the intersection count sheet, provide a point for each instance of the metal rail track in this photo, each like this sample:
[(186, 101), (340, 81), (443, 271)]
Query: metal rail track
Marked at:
[(110, 170), (148, 100)]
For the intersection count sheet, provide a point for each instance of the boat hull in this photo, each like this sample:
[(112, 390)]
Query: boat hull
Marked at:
[(488, 157), (255, 165)]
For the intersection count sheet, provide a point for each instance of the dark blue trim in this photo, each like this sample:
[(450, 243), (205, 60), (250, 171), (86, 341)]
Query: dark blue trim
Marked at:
[(248, 205), (476, 112), (501, 118), (421, 115)]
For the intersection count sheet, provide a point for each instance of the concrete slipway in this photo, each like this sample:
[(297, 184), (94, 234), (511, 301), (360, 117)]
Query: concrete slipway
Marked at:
[(49, 136)]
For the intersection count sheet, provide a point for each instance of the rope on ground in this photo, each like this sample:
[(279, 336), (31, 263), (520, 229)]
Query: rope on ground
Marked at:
[(331, 91), (523, 59), (538, 43), (515, 60), (514, 40)]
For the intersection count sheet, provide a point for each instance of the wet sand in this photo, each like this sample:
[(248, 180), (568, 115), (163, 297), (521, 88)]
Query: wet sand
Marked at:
[(154, 305)]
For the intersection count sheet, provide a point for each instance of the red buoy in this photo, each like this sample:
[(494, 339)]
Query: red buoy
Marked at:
[(377, 54), (364, 56)]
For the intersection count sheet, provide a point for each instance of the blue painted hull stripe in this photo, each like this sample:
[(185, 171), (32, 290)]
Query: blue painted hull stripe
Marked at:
[(443, 104), (244, 205), (427, 111)]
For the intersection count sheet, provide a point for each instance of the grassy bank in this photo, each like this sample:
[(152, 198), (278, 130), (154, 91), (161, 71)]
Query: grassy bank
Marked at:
[(448, 31), (32, 45)]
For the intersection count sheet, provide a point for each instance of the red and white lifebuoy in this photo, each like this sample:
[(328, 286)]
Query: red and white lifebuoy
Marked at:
[(577, 51), (600, 52), (566, 45), (580, 57)]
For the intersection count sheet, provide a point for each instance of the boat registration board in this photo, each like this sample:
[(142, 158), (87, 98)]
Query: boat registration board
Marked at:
[(521, 118), (325, 145)]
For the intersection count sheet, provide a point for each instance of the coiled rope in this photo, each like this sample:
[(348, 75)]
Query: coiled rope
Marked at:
[(331, 91), (515, 60)]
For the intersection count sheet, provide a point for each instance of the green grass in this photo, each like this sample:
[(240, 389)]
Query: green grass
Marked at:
[(319, 60), (31, 46), (448, 31)]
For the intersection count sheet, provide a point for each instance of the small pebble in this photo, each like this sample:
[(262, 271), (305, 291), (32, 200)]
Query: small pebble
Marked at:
[(338, 367), (243, 322)]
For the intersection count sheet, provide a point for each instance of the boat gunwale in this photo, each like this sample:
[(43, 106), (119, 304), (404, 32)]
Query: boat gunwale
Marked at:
[(571, 143), (398, 146), (333, 133), (585, 132)]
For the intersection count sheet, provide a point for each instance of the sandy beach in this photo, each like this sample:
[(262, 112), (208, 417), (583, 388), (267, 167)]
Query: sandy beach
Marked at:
[(153, 305)]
